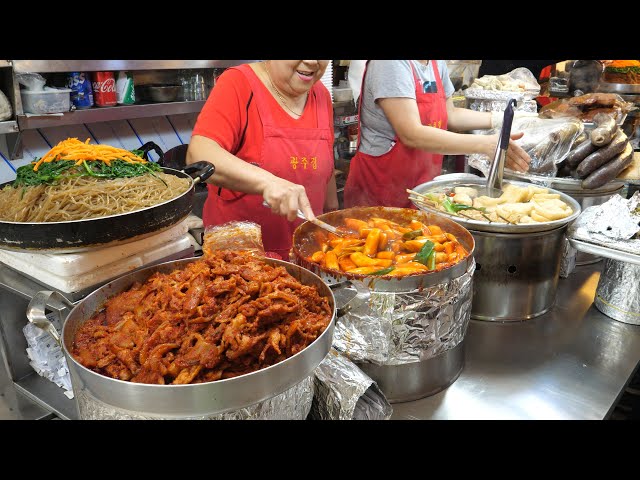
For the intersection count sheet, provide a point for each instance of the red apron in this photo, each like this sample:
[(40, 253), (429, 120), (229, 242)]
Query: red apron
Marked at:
[(383, 180), (300, 155)]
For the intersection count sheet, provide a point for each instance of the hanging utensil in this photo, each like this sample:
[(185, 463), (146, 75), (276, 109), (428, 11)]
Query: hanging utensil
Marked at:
[(315, 221), (496, 170)]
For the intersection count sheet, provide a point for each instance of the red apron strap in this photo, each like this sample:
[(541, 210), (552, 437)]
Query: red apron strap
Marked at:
[(364, 74), (438, 79), (257, 87)]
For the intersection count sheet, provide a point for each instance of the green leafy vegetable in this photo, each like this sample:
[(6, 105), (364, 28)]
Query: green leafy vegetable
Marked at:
[(423, 255), (452, 207), (384, 271), (411, 235), (449, 205), (431, 262), (52, 172)]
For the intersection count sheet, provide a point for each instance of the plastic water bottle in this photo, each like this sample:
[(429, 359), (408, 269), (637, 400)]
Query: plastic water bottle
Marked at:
[(125, 93)]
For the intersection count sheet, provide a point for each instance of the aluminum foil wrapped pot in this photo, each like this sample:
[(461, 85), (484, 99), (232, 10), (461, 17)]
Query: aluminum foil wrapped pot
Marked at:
[(406, 333), (292, 404), (517, 265), (282, 390), (618, 292)]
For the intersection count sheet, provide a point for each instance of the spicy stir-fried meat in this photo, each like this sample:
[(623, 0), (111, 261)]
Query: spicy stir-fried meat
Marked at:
[(225, 315)]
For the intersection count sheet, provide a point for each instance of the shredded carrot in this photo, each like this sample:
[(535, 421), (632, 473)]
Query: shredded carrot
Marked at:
[(74, 149)]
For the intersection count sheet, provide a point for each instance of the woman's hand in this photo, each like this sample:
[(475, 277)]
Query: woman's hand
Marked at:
[(285, 198), (517, 159)]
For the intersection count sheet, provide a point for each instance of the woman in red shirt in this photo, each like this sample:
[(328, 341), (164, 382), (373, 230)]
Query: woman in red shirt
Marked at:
[(268, 129)]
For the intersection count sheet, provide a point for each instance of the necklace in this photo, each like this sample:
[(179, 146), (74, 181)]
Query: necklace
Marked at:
[(280, 96)]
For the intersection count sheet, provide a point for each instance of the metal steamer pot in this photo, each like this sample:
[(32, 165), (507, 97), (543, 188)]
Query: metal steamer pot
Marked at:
[(92, 233), (517, 266), (584, 196), (99, 397), (413, 345)]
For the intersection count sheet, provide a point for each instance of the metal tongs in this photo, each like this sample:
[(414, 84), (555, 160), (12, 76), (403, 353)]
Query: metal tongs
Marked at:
[(496, 170), (315, 221)]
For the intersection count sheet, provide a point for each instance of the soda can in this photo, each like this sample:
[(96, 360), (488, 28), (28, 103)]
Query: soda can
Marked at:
[(125, 93), (81, 91), (104, 89)]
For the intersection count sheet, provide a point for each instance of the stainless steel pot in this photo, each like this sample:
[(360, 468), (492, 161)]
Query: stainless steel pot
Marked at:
[(518, 266), (516, 274), (446, 181), (406, 333), (98, 393)]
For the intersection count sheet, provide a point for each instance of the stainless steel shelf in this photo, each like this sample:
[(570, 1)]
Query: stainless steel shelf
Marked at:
[(10, 126), (116, 65), (105, 114), (606, 252)]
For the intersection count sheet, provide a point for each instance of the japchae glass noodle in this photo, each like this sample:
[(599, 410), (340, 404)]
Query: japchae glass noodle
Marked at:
[(78, 198), (77, 180)]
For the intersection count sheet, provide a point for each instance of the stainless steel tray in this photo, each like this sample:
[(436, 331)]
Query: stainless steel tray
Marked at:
[(606, 252), (565, 184), (444, 181), (619, 87)]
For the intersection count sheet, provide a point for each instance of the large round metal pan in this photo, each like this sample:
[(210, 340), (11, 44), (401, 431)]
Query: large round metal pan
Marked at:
[(304, 245), (88, 234), (192, 399), (436, 186)]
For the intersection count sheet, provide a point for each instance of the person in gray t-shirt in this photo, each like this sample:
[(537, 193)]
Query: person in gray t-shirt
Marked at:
[(407, 123)]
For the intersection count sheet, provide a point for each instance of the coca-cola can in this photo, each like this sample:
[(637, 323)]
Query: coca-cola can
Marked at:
[(104, 89)]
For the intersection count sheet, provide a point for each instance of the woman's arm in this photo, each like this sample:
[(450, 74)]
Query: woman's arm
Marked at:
[(331, 199), (404, 117), (234, 173), (463, 119)]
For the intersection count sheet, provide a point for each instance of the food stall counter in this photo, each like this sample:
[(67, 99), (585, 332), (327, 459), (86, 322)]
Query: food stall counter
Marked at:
[(571, 363)]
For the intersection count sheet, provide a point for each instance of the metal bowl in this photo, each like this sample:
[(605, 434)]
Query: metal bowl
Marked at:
[(304, 245), (475, 225), (163, 93), (182, 401)]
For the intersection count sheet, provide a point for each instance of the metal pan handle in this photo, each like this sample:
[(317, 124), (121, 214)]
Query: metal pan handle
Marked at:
[(36, 311), (362, 296), (203, 170), (152, 146)]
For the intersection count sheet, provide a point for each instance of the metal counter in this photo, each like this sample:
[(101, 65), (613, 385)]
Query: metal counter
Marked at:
[(571, 363)]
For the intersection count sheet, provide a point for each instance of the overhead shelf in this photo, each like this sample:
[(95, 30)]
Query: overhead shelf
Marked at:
[(10, 126), (105, 114), (44, 66)]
